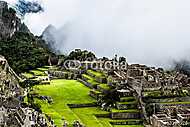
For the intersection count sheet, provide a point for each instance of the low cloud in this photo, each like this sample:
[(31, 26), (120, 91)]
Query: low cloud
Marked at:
[(145, 31)]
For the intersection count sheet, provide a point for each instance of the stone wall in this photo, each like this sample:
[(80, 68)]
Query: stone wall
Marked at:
[(82, 105), (125, 115), (9, 81), (85, 83)]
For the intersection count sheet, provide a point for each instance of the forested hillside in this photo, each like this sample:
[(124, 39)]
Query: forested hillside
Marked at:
[(21, 48)]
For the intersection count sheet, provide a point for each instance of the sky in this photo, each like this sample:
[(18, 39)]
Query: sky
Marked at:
[(153, 32)]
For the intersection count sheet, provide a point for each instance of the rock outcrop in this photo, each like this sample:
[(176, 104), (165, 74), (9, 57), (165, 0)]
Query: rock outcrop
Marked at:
[(9, 80), (9, 22)]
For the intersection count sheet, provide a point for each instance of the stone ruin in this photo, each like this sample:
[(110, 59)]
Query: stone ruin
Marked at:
[(12, 114)]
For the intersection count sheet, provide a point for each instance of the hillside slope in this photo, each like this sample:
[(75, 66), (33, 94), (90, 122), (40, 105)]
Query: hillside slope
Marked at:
[(22, 49)]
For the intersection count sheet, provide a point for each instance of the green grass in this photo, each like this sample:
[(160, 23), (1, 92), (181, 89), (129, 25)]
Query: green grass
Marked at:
[(127, 99), (28, 75), (63, 92), (104, 86), (96, 92), (127, 111), (125, 120), (95, 73), (126, 103), (90, 79), (43, 69), (38, 72), (87, 115), (184, 102), (128, 126)]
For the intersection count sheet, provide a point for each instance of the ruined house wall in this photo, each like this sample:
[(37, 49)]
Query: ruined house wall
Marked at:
[(9, 81)]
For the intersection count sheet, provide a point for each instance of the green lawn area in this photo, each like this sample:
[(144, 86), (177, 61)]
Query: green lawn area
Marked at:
[(63, 92), (89, 119)]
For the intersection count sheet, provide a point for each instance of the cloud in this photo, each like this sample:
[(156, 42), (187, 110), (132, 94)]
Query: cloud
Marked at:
[(145, 31), (24, 7)]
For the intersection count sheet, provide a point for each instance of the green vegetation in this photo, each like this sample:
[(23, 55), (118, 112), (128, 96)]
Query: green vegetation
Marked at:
[(128, 126), (104, 86), (131, 102), (183, 102), (24, 52), (87, 116), (63, 92), (38, 72), (90, 79), (28, 75), (127, 111), (127, 99), (80, 55), (95, 73)]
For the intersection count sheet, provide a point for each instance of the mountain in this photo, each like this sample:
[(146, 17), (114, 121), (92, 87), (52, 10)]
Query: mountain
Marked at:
[(21, 48), (55, 38), (9, 22), (49, 36)]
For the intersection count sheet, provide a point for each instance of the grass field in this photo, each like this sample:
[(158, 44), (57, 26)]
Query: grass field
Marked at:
[(63, 92), (66, 92), (89, 119)]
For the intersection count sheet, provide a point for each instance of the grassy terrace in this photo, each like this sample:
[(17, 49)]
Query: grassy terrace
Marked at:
[(128, 126), (88, 118), (63, 92), (97, 74), (126, 111), (28, 75), (124, 99), (90, 79), (37, 72), (66, 92), (131, 102), (184, 102), (94, 82), (104, 86)]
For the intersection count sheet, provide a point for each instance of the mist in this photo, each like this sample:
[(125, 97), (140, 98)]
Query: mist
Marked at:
[(153, 32)]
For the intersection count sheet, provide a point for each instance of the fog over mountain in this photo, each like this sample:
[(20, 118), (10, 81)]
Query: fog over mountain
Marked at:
[(154, 32)]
